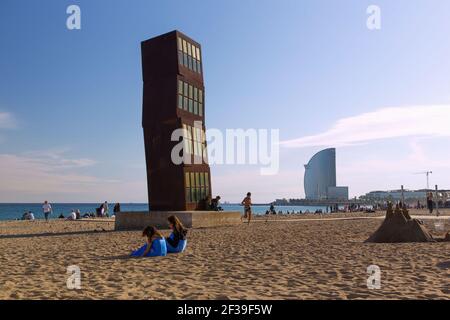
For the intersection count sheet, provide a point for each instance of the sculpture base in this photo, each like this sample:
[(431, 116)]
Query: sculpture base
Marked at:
[(190, 219)]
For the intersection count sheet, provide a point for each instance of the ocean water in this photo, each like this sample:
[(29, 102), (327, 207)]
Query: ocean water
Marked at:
[(13, 211)]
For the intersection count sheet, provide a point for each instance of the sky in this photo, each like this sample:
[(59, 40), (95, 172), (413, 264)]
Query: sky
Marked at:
[(71, 100)]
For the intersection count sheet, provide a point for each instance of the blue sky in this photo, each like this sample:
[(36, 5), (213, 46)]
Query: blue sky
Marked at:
[(70, 101)]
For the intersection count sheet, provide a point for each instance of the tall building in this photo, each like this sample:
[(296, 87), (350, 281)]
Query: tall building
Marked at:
[(320, 177), (174, 98)]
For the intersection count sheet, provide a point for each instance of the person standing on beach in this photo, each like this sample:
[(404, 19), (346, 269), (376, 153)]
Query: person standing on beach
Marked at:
[(116, 208), (106, 209), (47, 208), (247, 203), (430, 202)]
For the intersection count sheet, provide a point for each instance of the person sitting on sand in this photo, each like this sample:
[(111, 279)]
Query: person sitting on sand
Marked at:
[(61, 216), (215, 203), (176, 242), (155, 246), (72, 216), (28, 216), (247, 203)]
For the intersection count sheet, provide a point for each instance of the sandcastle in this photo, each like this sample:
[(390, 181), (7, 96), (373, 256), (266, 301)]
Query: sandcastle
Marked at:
[(398, 226)]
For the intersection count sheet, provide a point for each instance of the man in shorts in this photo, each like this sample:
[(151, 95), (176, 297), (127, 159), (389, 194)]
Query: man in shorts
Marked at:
[(247, 203)]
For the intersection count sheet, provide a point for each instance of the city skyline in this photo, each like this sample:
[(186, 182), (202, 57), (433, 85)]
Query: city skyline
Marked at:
[(71, 100)]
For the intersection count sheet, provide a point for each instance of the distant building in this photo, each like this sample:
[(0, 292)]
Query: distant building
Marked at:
[(409, 195), (320, 177)]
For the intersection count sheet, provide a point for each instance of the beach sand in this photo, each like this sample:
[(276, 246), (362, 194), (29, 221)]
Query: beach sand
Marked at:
[(286, 258)]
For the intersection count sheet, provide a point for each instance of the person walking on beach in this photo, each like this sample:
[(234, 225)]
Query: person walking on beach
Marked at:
[(247, 203), (47, 208)]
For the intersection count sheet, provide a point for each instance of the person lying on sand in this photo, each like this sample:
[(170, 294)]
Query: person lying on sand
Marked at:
[(155, 246), (177, 241)]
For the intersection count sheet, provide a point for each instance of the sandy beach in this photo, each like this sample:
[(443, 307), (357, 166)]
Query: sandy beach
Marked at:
[(306, 257)]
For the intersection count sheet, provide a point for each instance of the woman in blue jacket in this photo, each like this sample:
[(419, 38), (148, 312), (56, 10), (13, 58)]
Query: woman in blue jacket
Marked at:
[(155, 246), (177, 241)]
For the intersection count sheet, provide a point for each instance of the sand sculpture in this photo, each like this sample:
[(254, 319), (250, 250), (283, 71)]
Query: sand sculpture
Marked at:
[(398, 226)]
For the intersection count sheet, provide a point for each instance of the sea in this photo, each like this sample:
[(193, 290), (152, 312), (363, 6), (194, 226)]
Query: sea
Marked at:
[(14, 211)]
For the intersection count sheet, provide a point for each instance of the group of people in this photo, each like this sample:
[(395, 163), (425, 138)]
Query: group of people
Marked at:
[(101, 211), (273, 212), (46, 208), (157, 245)]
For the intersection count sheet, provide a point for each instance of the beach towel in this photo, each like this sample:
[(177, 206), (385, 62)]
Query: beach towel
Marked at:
[(158, 249)]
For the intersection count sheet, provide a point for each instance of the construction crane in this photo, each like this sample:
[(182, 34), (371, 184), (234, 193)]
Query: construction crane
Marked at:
[(427, 173)]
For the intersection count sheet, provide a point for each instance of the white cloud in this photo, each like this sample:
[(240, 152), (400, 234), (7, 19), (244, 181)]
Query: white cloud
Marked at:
[(389, 169), (7, 120), (386, 123), (35, 176), (57, 160)]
